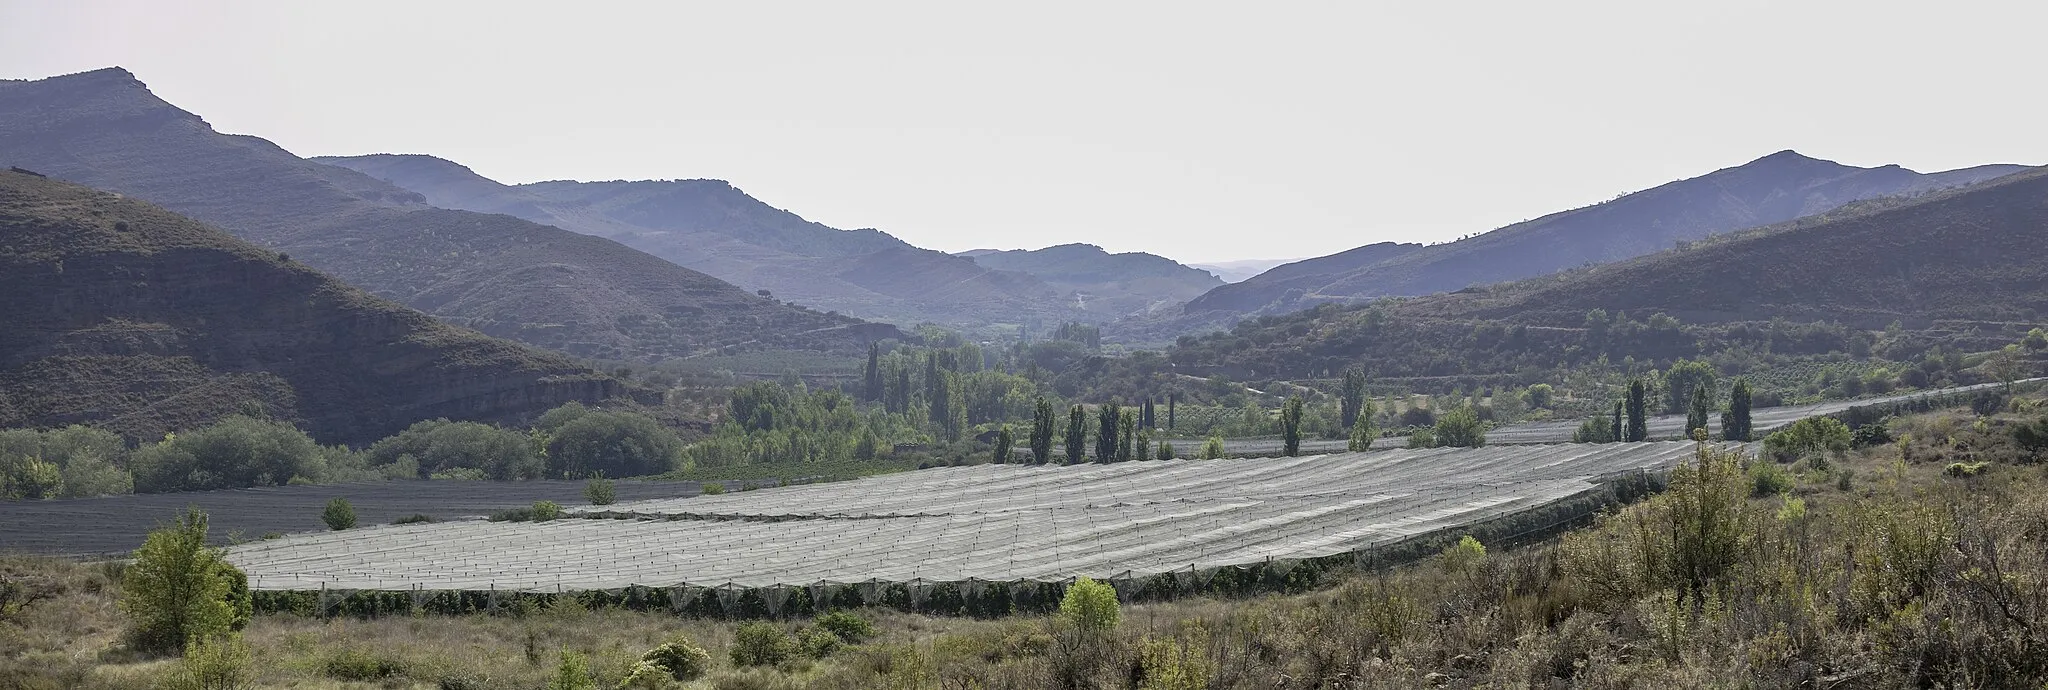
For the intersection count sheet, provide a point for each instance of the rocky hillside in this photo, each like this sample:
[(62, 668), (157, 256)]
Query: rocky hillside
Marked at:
[(714, 227), (118, 313), (1105, 283), (502, 275), (1773, 189)]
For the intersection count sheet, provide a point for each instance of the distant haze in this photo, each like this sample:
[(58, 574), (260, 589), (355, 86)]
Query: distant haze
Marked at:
[(1204, 132)]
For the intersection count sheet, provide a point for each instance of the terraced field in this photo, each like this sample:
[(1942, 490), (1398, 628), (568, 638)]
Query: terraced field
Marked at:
[(988, 523)]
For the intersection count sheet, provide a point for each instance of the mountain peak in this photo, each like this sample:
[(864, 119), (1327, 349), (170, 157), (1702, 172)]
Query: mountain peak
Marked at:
[(1787, 156)]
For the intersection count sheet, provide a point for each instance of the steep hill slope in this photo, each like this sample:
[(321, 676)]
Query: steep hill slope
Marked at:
[(1975, 253), (1291, 282), (712, 226), (1962, 267), (1102, 282), (502, 275), (119, 313), (1772, 189)]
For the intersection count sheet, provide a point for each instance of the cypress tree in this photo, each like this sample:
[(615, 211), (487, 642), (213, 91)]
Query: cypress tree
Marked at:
[(1077, 435), (1638, 420), (1290, 426), (871, 378), (1169, 410), (1352, 397), (1147, 421), (1614, 431), (1737, 426), (901, 405)]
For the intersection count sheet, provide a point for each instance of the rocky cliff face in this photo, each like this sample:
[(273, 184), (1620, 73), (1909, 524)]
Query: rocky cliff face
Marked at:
[(117, 313)]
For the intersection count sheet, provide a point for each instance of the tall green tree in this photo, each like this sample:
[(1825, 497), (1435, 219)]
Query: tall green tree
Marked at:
[(1042, 423), (1077, 435), (871, 377), (1127, 427), (1290, 426), (942, 408), (1170, 399), (1107, 420), (1615, 430), (1003, 442), (1147, 420), (1685, 377), (179, 590), (1638, 413), (1696, 417), (1363, 430), (1351, 398), (1735, 424)]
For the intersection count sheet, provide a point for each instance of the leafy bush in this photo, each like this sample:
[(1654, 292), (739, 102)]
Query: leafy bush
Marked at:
[(600, 491), (1460, 428), (713, 488), (238, 452), (1165, 450), (1090, 606), (1213, 448), (442, 447), (339, 515), (1465, 555), (1422, 438), (214, 663), (178, 589), (572, 674), (818, 643), (1806, 436), (847, 626), (618, 444), (544, 511), (358, 665), (413, 519), (1964, 470), (680, 658), (1768, 478), (761, 644), (1178, 663)]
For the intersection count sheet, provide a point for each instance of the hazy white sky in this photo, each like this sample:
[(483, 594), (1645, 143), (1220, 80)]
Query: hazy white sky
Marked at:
[(1198, 130)]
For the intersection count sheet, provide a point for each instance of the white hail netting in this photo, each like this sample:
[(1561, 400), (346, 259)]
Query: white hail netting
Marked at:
[(989, 522)]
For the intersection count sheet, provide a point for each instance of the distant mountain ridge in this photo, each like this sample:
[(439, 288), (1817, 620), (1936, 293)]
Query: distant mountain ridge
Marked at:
[(1771, 189), (118, 313), (712, 226), (1959, 267), (1102, 282), (499, 274)]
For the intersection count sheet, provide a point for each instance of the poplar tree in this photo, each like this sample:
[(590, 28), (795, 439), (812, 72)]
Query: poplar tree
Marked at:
[(1042, 423), (1077, 435), (1290, 426), (1127, 425), (1107, 419), (1696, 417), (1169, 409), (1638, 420), (1735, 425), (1614, 431), (1003, 442), (871, 378), (1351, 397)]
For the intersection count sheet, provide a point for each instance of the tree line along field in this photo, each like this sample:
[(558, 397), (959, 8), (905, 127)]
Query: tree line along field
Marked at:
[(115, 525)]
